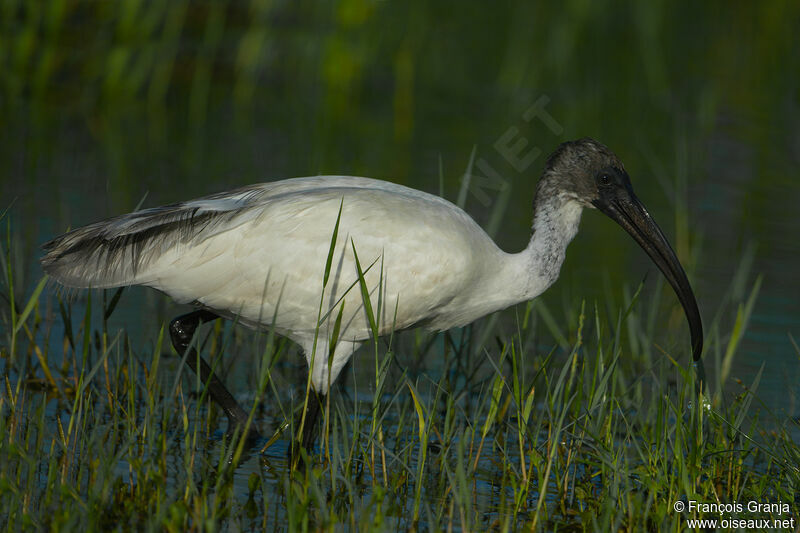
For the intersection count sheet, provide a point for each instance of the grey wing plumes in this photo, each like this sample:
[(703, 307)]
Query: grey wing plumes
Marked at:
[(118, 251)]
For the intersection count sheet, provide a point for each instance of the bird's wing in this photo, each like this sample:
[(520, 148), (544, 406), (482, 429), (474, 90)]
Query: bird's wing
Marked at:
[(113, 252), (118, 251)]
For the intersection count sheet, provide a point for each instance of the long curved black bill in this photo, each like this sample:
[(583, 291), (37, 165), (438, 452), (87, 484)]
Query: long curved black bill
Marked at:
[(624, 208)]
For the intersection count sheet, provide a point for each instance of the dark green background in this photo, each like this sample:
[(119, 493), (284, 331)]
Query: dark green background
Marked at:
[(104, 102)]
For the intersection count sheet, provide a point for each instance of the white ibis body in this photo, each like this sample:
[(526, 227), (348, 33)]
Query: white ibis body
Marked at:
[(260, 253)]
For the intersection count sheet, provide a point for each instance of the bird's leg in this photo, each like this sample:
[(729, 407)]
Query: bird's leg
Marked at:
[(312, 418), (309, 435), (181, 331)]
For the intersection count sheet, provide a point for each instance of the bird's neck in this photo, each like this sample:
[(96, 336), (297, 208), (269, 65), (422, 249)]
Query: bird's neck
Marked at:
[(556, 218), (515, 278)]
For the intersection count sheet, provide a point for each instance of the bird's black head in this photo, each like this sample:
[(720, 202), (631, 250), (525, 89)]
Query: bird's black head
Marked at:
[(588, 172), (584, 170)]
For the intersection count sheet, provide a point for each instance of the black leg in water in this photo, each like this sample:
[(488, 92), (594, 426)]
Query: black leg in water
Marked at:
[(181, 331), (309, 435)]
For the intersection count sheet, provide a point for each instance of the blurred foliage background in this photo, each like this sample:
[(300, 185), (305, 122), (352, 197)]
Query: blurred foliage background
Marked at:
[(104, 104)]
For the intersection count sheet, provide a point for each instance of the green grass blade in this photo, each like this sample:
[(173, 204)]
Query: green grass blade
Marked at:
[(32, 301), (113, 303), (365, 293), (739, 327), (332, 247)]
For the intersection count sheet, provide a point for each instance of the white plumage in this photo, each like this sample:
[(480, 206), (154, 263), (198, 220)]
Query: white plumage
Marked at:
[(259, 254)]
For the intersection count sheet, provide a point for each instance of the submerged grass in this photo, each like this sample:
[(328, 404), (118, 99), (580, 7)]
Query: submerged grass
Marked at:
[(597, 430)]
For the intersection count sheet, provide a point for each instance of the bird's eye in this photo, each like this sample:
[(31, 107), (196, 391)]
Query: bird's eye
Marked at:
[(604, 179)]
